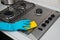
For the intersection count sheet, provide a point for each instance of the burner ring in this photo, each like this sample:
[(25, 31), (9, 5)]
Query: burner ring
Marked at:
[(9, 13)]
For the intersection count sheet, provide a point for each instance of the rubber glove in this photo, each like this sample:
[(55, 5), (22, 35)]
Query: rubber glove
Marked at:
[(20, 25), (15, 26)]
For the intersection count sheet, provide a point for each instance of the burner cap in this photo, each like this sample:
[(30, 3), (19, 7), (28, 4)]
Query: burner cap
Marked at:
[(9, 13), (23, 4)]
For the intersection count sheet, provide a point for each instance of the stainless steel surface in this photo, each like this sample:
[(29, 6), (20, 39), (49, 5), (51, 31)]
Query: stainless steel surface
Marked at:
[(40, 30), (37, 33), (8, 1)]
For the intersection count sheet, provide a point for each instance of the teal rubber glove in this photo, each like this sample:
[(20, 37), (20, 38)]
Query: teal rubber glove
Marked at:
[(15, 26)]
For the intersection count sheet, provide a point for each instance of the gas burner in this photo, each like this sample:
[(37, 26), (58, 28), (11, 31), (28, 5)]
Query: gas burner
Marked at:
[(9, 13), (16, 11), (19, 6)]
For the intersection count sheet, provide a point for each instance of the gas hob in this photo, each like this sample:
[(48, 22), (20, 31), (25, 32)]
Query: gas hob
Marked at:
[(44, 17)]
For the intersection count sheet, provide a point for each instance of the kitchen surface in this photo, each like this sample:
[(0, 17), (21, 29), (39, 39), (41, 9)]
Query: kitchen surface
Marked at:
[(53, 33)]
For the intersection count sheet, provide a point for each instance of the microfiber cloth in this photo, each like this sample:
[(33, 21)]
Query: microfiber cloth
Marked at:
[(20, 25)]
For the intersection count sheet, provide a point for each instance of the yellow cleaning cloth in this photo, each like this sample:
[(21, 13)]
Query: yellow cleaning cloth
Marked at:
[(33, 24)]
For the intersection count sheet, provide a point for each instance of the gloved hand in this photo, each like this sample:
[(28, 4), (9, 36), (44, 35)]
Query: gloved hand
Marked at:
[(15, 26), (20, 25)]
